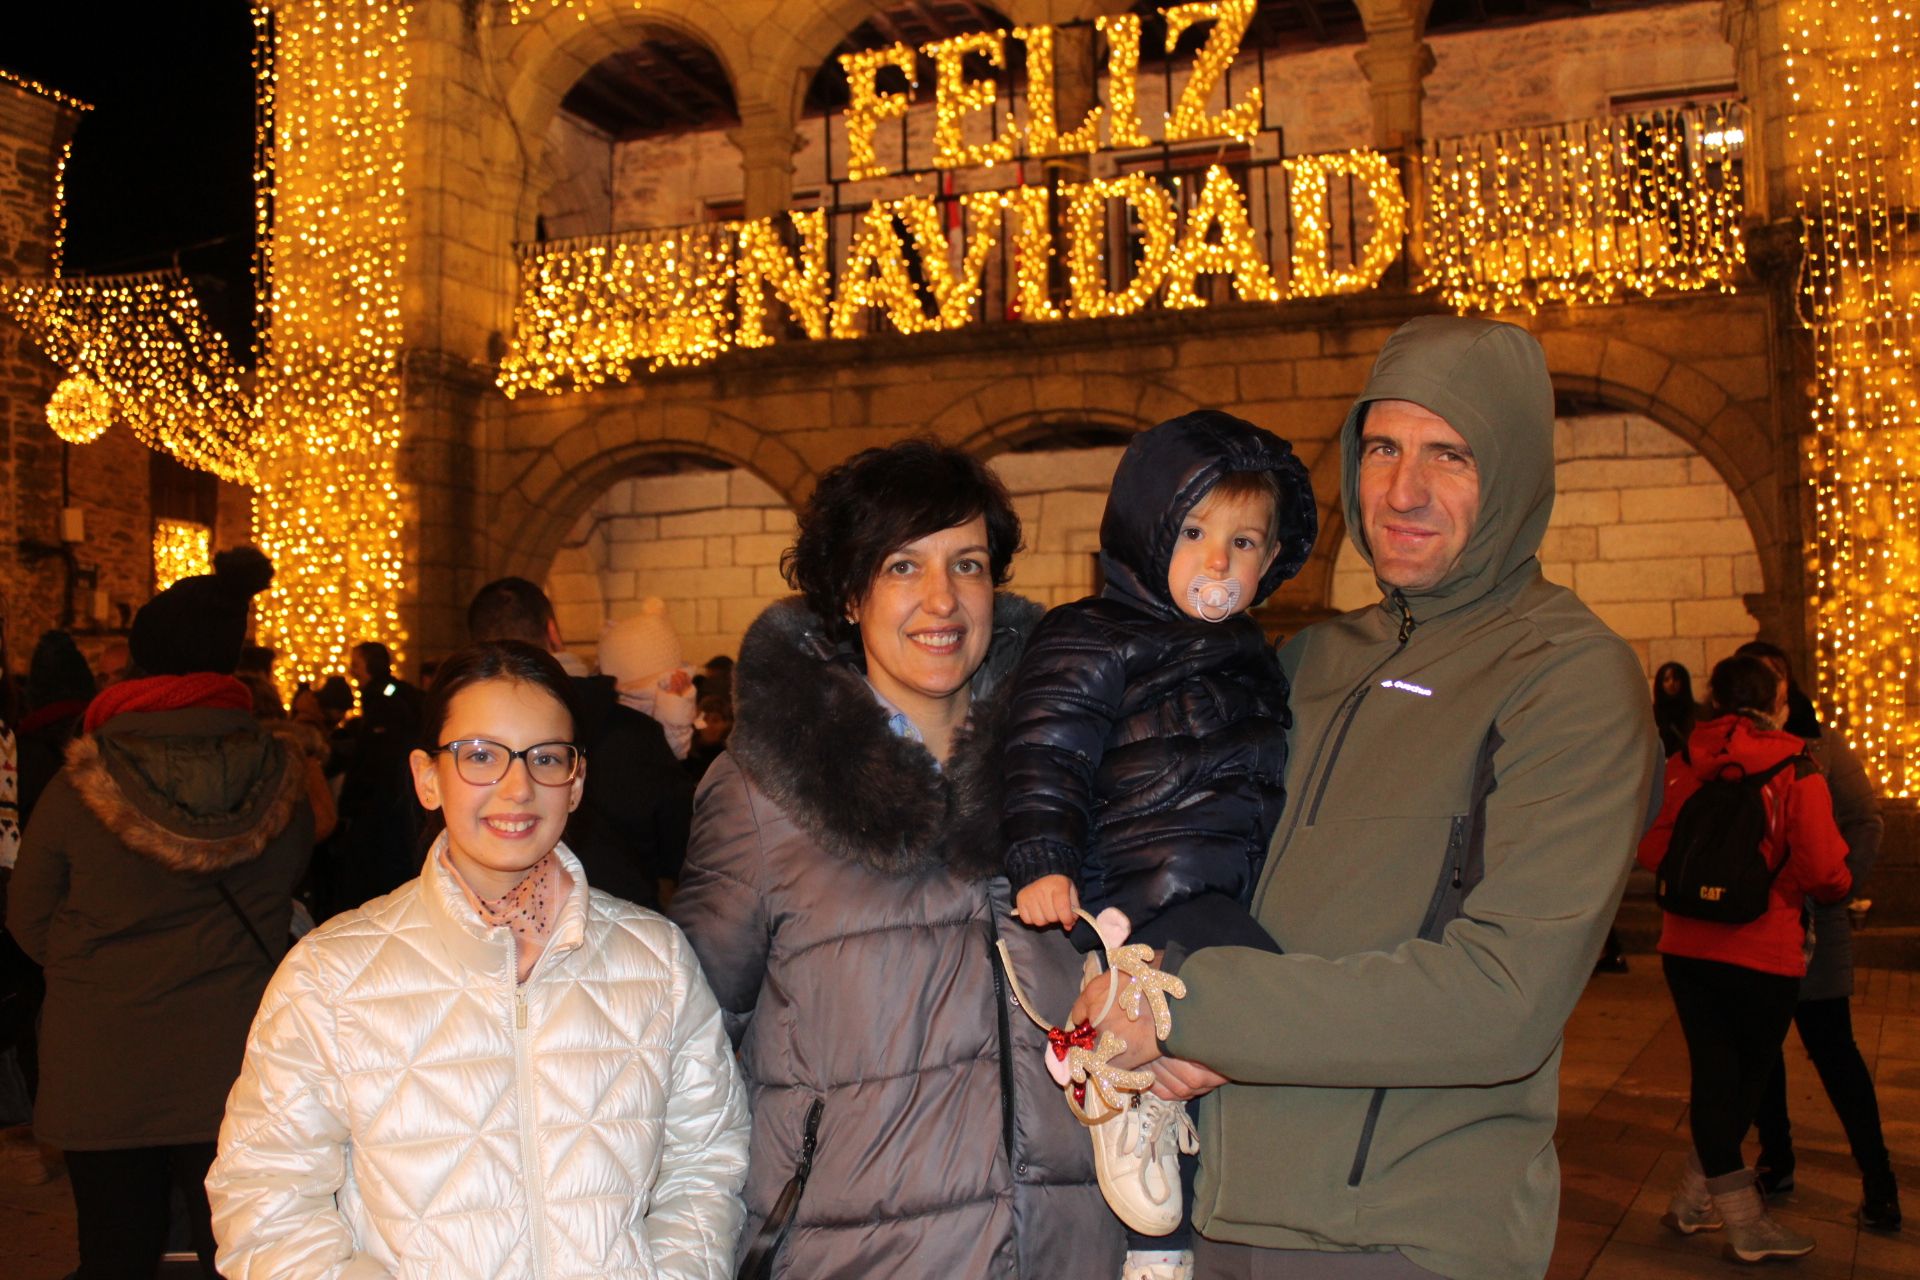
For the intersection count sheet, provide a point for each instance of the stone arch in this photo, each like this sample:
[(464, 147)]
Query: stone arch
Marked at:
[(1001, 415), (548, 55), (1686, 401), (562, 480)]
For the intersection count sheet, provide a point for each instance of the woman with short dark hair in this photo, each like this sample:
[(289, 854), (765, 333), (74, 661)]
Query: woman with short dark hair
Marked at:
[(843, 889)]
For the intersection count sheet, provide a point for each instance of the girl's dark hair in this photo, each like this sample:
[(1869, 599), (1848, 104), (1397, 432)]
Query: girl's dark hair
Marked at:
[(1743, 684), (1684, 696), (493, 660), (876, 502)]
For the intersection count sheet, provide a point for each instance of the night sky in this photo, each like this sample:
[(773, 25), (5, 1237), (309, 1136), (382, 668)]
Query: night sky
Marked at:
[(163, 163)]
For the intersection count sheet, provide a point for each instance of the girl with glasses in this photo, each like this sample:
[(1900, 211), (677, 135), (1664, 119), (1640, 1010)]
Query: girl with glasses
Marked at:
[(494, 1070)]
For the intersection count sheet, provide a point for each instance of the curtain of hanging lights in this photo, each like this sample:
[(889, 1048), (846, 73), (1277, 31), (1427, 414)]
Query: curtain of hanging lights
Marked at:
[(1854, 73), (327, 511)]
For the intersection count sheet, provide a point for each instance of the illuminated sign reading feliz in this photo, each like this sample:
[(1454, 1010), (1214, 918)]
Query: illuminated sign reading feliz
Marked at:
[(682, 297)]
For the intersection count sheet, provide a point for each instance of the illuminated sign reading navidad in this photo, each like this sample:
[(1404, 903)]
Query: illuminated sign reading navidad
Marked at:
[(591, 309)]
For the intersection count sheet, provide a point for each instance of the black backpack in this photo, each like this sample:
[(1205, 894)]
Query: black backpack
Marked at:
[(1714, 868)]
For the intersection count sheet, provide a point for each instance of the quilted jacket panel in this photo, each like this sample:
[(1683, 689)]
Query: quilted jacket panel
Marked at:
[(407, 1110)]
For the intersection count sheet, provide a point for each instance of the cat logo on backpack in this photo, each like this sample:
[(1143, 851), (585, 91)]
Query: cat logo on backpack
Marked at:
[(1715, 868)]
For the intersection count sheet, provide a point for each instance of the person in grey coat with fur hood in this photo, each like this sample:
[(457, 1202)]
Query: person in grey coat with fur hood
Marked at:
[(843, 892), (155, 885)]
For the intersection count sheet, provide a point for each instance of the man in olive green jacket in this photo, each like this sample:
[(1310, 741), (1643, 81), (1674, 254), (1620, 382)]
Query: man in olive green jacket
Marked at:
[(1471, 765)]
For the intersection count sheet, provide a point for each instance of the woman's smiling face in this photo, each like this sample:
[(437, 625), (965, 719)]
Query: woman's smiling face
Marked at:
[(927, 617), (497, 831)]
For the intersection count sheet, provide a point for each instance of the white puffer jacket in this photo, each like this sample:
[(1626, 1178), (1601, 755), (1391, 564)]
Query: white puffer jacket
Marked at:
[(407, 1110)]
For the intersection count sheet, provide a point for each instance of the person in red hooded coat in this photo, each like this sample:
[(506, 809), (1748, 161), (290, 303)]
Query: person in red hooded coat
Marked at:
[(1735, 985)]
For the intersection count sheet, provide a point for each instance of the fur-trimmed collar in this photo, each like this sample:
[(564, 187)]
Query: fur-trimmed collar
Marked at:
[(810, 734), (197, 802)]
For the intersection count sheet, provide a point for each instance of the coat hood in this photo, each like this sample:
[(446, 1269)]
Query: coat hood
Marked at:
[(198, 790), (1165, 472), (1489, 380), (1746, 743), (810, 734)]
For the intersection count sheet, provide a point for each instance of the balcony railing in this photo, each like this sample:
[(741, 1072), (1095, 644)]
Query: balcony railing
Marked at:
[(1584, 211)]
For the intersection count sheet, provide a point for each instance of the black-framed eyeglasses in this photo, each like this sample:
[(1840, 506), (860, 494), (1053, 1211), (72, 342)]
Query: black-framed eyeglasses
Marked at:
[(483, 763)]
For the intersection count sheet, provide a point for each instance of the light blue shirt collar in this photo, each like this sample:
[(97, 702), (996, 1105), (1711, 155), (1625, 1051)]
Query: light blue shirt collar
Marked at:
[(898, 722)]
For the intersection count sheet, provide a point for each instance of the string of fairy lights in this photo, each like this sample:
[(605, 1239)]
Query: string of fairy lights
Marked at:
[(1581, 213), (181, 549), (1854, 142), (140, 350), (327, 507)]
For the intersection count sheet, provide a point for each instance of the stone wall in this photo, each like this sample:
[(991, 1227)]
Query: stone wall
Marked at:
[(1647, 533), (708, 543)]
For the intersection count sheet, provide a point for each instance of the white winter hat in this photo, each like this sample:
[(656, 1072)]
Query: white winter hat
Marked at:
[(640, 646)]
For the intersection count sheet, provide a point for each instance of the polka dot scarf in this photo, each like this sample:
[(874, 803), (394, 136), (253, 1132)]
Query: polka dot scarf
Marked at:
[(527, 910)]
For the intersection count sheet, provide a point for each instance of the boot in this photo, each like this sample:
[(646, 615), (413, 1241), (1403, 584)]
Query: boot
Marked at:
[(1773, 1174), (1690, 1208), (1880, 1203), (1752, 1236)]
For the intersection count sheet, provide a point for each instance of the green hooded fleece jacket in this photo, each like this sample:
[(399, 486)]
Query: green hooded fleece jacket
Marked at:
[(1470, 769)]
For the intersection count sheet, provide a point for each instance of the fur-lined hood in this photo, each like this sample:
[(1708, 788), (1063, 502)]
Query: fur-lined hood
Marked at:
[(809, 734), (198, 791)]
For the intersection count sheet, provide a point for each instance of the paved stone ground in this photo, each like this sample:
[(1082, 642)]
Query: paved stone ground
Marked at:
[(1622, 1139)]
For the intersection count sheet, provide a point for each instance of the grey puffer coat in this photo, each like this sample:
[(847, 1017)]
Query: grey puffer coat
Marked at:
[(152, 976), (843, 895), (1857, 813)]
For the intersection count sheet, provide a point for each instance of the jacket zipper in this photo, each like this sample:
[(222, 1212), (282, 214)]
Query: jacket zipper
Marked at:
[(1326, 752), (529, 1148), (1450, 878), (1006, 1039)]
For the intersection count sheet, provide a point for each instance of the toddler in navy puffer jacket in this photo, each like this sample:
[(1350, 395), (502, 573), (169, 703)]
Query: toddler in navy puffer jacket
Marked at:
[(1147, 742)]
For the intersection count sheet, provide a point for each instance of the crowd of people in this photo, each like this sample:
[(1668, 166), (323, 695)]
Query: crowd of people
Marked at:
[(937, 937)]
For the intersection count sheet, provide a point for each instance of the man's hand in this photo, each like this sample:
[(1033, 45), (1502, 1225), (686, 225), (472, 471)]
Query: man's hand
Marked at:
[(1048, 900), (1183, 1081), (1177, 1078)]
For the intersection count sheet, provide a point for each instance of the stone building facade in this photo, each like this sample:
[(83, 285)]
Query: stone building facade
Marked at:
[(1681, 516)]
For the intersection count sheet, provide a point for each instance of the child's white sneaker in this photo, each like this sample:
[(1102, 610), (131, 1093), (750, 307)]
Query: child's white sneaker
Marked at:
[(1161, 1264), (1136, 1153)]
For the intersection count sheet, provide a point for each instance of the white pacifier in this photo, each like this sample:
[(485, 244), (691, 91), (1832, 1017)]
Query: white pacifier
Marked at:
[(1214, 599)]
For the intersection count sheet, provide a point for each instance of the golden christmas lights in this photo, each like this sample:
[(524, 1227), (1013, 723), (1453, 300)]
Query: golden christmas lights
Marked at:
[(1123, 74), (1222, 206), (80, 410), (868, 108), (801, 282), (1309, 198), (44, 91), (1580, 212), (1189, 118), (956, 98), (1043, 105), (181, 549), (327, 508), (1854, 144), (1089, 294), (145, 342)]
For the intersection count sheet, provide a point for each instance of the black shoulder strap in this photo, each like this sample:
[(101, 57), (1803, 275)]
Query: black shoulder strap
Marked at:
[(245, 922), (758, 1264)]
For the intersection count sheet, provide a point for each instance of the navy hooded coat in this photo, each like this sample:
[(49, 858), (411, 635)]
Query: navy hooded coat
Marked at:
[(1146, 748)]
